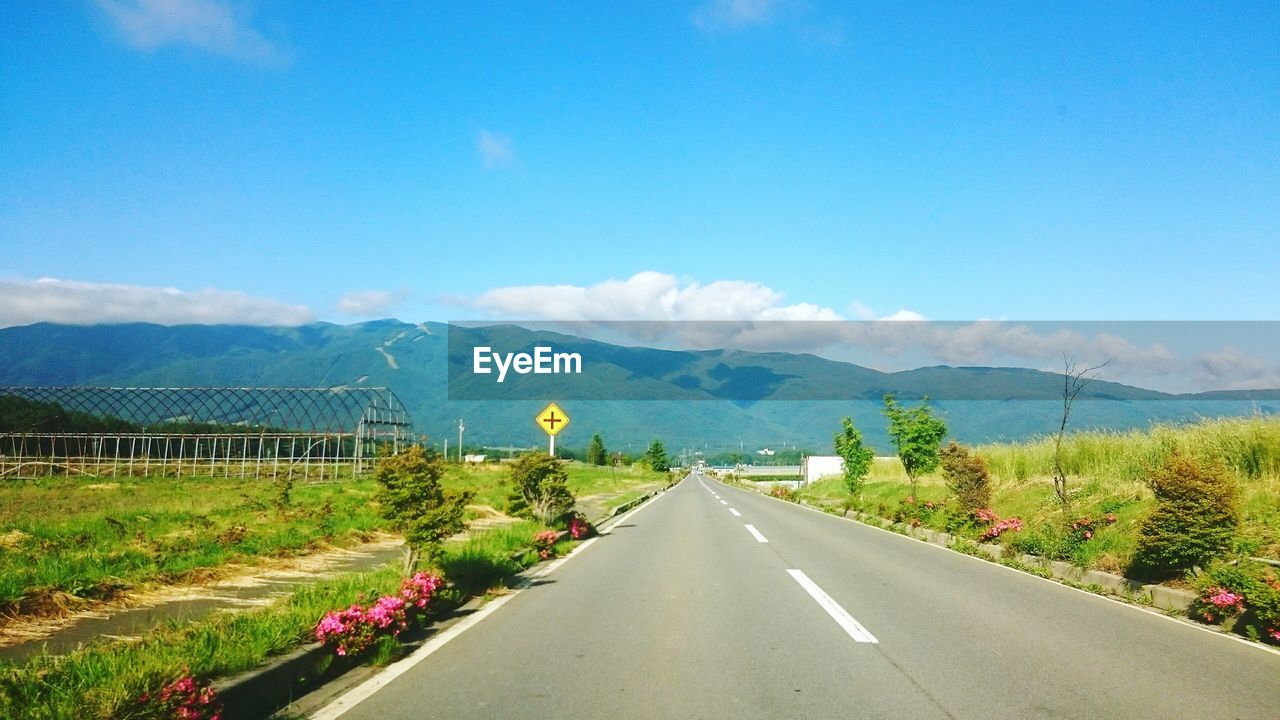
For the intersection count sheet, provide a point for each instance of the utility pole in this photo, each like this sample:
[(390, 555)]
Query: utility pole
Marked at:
[(460, 429)]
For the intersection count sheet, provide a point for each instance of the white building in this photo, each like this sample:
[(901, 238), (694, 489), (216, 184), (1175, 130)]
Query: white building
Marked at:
[(816, 467)]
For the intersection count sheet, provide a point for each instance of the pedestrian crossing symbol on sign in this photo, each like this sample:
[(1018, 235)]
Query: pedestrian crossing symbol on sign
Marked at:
[(552, 419)]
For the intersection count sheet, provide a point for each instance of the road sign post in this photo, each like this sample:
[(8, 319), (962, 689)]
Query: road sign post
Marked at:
[(552, 420)]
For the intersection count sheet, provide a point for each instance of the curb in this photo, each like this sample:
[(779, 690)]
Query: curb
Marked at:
[(1158, 596), (261, 691)]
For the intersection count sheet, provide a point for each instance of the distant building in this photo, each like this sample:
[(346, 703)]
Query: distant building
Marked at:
[(474, 458), (816, 467), (765, 451)]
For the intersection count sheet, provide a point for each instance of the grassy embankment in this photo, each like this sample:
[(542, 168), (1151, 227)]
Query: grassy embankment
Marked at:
[(1107, 472), (104, 680), (64, 541)]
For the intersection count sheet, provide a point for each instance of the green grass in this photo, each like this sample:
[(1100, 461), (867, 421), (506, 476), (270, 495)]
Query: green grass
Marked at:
[(1107, 472), (104, 680), (609, 486), (63, 539), (91, 540)]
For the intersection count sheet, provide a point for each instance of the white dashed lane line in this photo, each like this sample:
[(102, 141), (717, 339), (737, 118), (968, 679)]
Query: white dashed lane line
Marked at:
[(837, 613)]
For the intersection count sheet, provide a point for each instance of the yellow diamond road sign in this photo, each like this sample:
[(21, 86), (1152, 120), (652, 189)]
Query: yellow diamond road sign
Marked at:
[(552, 419)]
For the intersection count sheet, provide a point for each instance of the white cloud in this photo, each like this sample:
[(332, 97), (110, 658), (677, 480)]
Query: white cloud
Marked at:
[(368, 303), (904, 315), (23, 302), (861, 311), (717, 15), (494, 148), (1230, 368), (647, 296), (214, 26)]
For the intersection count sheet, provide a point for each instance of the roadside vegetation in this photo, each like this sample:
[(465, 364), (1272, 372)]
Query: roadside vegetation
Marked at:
[(358, 614), (1196, 506), (67, 542)]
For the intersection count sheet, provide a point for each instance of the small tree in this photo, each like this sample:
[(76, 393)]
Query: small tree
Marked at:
[(1195, 518), (413, 500), (596, 454), (656, 456), (916, 434), (1074, 379), (541, 489), (967, 476), (857, 457)]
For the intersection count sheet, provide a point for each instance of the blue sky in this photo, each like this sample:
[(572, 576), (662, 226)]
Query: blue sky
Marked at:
[(275, 162)]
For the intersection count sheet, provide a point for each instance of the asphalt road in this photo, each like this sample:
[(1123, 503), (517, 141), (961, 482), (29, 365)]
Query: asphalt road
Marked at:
[(715, 602)]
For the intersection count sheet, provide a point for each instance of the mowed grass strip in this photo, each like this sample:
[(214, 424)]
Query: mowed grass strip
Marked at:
[(1107, 474)]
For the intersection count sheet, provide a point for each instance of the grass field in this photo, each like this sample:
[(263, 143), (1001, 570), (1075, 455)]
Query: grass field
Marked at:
[(67, 540), (104, 680), (1107, 474)]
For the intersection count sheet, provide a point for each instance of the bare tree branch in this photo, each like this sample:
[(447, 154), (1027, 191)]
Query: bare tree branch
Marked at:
[(1074, 380)]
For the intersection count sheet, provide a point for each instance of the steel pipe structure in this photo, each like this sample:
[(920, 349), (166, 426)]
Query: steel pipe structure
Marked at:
[(309, 433)]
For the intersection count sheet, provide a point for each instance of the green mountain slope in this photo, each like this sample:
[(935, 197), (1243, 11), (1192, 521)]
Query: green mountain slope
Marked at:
[(717, 399)]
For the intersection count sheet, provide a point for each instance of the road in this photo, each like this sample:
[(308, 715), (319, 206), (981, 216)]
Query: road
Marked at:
[(715, 602)]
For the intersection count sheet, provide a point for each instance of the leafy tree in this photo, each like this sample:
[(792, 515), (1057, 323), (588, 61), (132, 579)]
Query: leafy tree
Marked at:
[(967, 476), (916, 434), (656, 456), (857, 457), (596, 454), (413, 499), (1195, 518), (541, 489)]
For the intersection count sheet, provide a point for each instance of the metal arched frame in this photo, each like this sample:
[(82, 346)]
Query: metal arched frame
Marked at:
[(211, 430)]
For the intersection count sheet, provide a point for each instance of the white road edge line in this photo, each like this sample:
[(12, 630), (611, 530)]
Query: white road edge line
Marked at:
[(837, 613), (1139, 608), (756, 533), (364, 690), (735, 512)]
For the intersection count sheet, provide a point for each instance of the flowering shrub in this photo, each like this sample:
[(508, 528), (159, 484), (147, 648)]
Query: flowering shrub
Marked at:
[(999, 527), (183, 699), (996, 525), (418, 590), (545, 543), (579, 528), (1218, 603), (1084, 529), (986, 515), (351, 631), (914, 513), (1243, 593)]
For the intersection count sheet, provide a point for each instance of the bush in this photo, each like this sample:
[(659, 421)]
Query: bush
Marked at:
[(782, 492), (541, 489), (412, 498), (967, 476), (1195, 518), (1247, 590)]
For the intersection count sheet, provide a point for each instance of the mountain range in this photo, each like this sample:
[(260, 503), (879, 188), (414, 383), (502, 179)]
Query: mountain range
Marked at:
[(708, 399)]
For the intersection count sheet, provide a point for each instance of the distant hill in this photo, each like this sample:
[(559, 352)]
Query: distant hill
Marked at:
[(747, 399)]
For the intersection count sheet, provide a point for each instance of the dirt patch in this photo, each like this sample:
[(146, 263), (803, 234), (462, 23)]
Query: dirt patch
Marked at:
[(12, 539), (40, 615)]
